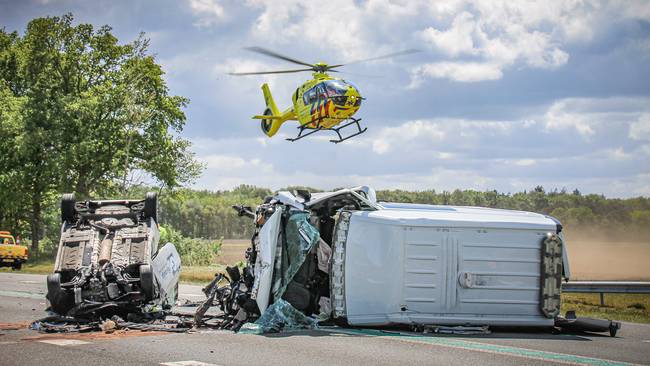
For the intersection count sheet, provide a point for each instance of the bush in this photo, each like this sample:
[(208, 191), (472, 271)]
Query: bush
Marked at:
[(637, 306), (193, 251)]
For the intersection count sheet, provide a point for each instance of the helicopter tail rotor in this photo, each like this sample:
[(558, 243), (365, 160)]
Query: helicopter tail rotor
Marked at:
[(272, 119)]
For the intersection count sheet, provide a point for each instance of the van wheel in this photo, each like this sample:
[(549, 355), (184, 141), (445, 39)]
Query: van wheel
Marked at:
[(146, 281), (67, 207), (60, 300), (151, 206)]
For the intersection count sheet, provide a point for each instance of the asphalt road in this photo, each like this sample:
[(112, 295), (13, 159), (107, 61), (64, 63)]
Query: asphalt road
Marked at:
[(22, 300)]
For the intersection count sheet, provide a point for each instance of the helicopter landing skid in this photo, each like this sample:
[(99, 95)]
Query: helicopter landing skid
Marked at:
[(353, 121)]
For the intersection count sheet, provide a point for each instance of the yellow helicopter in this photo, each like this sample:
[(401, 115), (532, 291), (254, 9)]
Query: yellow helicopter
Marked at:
[(322, 103)]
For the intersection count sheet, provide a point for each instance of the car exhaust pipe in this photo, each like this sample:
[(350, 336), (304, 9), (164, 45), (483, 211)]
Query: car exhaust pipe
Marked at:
[(106, 249)]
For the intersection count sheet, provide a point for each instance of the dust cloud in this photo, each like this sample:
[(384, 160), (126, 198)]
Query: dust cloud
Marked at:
[(607, 258)]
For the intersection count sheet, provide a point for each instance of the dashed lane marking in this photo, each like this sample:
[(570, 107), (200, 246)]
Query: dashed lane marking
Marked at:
[(188, 363), (22, 294), (64, 342)]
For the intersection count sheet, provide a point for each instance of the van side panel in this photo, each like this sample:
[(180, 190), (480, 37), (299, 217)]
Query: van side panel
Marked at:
[(399, 273)]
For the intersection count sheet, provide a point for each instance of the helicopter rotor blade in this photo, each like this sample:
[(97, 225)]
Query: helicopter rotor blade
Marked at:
[(273, 54), (267, 72), (356, 74), (390, 55)]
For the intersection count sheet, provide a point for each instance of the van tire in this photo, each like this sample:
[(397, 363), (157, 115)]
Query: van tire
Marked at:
[(67, 207), (146, 281), (60, 300), (151, 206)]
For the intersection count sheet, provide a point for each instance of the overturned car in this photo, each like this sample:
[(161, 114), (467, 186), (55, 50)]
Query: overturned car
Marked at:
[(108, 260), (345, 257)]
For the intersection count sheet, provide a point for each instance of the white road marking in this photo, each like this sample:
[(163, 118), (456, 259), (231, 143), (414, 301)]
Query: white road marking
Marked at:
[(8, 342), (64, 342), (22, 294), (188, 363), (191, 295)]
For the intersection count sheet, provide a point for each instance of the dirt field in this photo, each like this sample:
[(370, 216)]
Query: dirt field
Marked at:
[(600, 260), (232, 251)]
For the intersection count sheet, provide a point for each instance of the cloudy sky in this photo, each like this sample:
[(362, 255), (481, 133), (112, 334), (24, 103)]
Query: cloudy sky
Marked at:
[(505, 95)]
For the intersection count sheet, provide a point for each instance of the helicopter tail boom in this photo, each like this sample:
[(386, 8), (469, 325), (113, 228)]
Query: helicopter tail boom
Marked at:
[(268, 99), (272, 118)]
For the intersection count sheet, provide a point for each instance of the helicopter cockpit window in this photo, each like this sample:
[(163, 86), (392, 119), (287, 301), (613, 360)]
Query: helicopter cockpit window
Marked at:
[(335, 87), (310, 96), (320, 91), (336, 90)]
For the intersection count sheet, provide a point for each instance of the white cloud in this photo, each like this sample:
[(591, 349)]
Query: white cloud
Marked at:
[(420, 130), (498, 35), (208, 12), (423, 134), (457, 40), (457, 71), (525, 162), (587, 115), (618, 154), (640, 130)]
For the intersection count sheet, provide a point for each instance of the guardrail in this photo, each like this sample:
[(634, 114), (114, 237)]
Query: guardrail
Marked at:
[(603, 287)]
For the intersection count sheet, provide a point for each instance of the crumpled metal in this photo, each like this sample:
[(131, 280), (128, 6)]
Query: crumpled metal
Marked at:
[(301, 237), (280, 316)]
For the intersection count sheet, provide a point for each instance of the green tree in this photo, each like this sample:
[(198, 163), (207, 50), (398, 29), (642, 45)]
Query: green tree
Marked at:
[(88, 115)]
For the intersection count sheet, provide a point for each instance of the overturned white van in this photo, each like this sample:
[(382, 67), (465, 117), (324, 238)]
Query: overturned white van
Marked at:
[(421, 264), (360, 262)]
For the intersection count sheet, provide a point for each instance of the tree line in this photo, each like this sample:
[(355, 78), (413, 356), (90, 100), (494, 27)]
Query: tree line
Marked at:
[(208, 214), (201, 218)]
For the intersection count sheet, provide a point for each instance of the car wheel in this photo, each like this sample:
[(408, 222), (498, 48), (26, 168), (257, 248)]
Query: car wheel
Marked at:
[(67, 207), (60, 300), (151, 206), (146, 281)]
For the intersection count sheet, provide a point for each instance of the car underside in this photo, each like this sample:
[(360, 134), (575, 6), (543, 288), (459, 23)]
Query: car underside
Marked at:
[(108, 260)]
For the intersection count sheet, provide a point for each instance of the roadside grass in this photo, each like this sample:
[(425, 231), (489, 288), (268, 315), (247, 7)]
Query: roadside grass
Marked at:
[(200, 274), (42, 266), (624, 307)]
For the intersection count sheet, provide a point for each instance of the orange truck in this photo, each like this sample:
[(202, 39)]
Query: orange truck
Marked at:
[(11, 254)]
